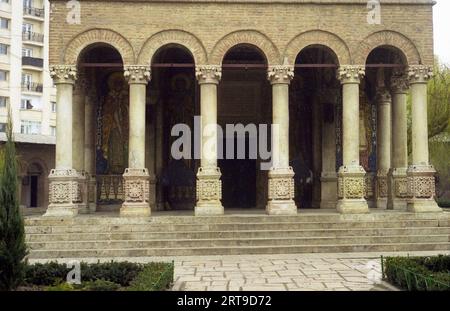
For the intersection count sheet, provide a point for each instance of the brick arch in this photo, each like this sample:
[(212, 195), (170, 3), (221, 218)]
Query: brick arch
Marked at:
[(173, 36), (387, 38), (92, 36), (252, 37), (317, 37)]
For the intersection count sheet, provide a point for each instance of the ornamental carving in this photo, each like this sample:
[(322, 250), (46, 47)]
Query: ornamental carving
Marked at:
[(399, 83), (421, 187), (351, 187), (60, 192), (369, 183), (281, 184), (137, 74), (136, 185), (209, 185), (383, 96), (208, 74), (419, 74), (66, 187), (280, 74), (350, 74), (401, 187), (63, 74), (382, 186)]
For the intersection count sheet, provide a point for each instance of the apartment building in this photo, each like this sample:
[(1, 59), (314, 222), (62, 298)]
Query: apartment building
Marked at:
[(26, 86)]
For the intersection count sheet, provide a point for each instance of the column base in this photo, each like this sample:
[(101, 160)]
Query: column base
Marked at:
[(328, 190), (352, 190), (136, 188), (398, 193), (350, 206), (281, 192), (135, 210), (281, 207), (65, 193), (422, 189), (209, 192)]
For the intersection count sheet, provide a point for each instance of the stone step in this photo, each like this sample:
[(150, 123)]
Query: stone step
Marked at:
[(96, 236), (305, 217), (230, 226), (243, 250), (202, 243)]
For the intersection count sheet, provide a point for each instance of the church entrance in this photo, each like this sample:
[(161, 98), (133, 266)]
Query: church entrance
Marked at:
[(245, 100)]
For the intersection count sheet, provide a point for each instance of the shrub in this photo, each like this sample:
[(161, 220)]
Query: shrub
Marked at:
[(61, 287), (154, 277), (100, 285), (45, 273), (418, 273), (12, 232)]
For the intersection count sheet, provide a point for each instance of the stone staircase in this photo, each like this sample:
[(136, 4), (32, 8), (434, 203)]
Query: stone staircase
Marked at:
[(89, 236)]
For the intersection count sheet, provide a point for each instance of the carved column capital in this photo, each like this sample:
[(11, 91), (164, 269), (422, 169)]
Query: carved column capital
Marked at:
[(137, 74), (63, 74), (419, 74), (210, 74), (282, 74), (351, 74), (400, 83), (383, 96)]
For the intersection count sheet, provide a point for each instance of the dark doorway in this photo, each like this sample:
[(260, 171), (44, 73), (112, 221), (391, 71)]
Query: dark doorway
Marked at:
[(34, 191), (238, 179)]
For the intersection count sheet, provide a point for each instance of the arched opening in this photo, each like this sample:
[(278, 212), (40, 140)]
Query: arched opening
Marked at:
[(244, 97), (106, 120), (33, 186), (314, 117), (174, 99), (375, 139)]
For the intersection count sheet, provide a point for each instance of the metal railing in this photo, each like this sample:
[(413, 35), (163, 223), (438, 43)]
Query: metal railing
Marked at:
[(32, 87), (33, 11), (32, 36)]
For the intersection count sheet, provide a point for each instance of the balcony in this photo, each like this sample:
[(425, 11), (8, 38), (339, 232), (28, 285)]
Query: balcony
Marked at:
[(32, 87), (34, 12), (33, 37), (32, 61)]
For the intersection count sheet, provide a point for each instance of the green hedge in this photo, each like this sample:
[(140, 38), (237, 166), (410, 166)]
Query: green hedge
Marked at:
[(102, 276), (418, 273)]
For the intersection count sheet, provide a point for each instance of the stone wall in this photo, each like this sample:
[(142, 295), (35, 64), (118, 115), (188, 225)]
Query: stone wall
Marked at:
[(209, 28)]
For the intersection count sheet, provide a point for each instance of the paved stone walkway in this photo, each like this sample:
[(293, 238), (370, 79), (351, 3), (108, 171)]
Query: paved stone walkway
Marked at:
[(282, 272)]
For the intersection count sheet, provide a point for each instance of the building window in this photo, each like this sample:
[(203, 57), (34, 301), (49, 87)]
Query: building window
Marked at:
[(4, 23), (27, 3), (3, 101), (2, 127), (26, 104), (53, 130), (4, 1), (27, 79), (53, 106), (3, 75), (30, 127), (26, 52), (27, 28), (3, 49)]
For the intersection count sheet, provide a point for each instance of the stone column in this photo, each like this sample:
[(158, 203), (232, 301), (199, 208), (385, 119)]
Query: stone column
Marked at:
[(383, 99), (78, 132), (421, 175), (159, 156), (281, 175), (64, 190), (136, 176), (399, 163), (317, 151), (89, 148), (209, 185), (351, 176)]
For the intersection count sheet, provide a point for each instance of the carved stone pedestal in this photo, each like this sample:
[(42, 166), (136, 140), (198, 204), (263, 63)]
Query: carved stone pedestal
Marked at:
[(209, 192), (422, 189), (398, 189), (65, 193), (382, 189), (281, 192), (136, 190), (351, 190)]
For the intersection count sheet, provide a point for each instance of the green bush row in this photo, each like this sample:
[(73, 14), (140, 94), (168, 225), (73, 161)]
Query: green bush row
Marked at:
[(109, 276), (418, 273)]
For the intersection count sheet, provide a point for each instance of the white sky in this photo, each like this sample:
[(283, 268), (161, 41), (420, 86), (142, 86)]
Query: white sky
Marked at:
[(442, 30)]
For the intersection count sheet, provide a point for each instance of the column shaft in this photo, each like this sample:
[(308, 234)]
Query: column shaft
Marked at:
[(209, 185), (281, 176), (64, 130), (351, 176)]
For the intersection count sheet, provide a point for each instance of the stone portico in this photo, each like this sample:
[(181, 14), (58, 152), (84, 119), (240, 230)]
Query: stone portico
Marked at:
[(377, 64)]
